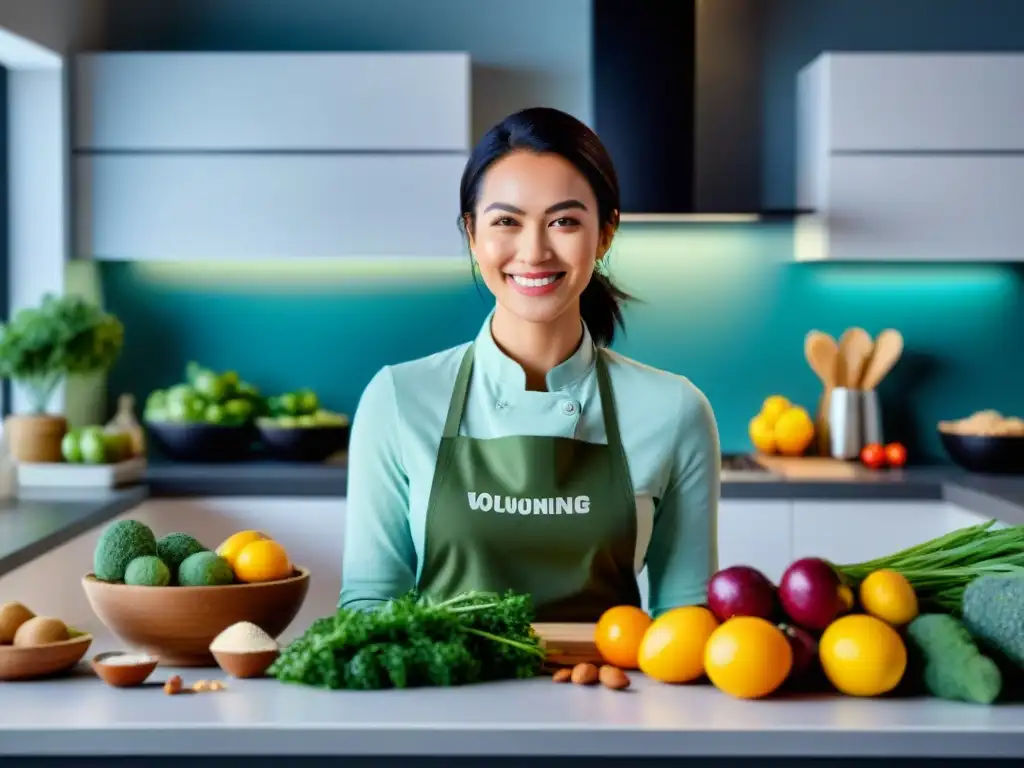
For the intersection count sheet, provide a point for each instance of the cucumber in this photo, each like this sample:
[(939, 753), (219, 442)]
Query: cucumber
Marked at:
[(954, 668)]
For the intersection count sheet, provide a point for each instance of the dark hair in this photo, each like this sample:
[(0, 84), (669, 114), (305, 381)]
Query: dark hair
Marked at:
[(543, 129)]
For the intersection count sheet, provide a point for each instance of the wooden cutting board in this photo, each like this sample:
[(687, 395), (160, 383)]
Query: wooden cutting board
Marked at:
[(812, 467), (568, 644)]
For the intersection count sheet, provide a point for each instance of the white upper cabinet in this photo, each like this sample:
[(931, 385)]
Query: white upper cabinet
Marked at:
[(196, 156), (911, 157), (416, 102)]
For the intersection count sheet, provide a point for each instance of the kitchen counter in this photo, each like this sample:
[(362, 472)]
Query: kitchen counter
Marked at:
[(80, 716), (43, 519)]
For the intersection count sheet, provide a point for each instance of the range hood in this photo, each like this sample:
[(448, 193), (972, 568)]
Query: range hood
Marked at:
[(676, 99)]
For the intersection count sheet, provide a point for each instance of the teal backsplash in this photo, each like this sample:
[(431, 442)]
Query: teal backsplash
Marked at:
[(721, 304)]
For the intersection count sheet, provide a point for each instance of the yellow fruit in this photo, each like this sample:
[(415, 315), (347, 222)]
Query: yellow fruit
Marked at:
[(618, 634), (672, 650), (774, 407), (748, 657), (794, 431), (235, 543), (888, 596), (262, 560), (862, 655), (762, 434)]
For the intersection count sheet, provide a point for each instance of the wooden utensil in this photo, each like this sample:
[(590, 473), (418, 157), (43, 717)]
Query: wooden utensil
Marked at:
[(855, 349), (888, 349), (822, 355)]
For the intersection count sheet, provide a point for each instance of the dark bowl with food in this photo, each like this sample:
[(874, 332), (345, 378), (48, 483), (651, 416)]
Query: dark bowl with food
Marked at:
[(203, 442), (306, 444), (991, 454)]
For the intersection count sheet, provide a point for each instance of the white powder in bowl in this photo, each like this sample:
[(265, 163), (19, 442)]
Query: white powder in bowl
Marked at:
[(243, 637)]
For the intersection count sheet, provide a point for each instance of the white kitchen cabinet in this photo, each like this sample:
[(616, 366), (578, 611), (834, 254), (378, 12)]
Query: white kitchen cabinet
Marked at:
[(240, 206), (755, 533), (922, 208), (910, 157), (913, 102), (848, 532), (258, 101)]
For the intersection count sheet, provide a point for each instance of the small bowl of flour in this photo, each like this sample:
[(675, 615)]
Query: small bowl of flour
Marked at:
[(244, 650)]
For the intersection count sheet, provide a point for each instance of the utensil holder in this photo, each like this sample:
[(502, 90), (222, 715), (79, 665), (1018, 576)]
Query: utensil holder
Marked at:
[(854, 420)]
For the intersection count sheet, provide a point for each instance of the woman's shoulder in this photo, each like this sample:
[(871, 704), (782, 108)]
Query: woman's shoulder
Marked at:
[(422, 382), (644, 386)]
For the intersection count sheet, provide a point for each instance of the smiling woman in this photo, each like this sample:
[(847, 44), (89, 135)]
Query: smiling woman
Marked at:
[(534, 459)]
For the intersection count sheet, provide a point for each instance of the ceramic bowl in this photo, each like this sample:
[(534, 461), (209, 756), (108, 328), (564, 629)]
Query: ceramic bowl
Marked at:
[(979, 453), (203, 442), (309, 444), (122, 675), (26, 663), (244, 664), (177, 624)]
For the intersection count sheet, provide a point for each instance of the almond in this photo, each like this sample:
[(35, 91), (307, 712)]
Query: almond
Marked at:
[(562, 675), (584, 674), (173, 685), (613, 677)]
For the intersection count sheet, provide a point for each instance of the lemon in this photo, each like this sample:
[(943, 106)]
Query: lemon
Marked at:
[(762, 435), (794, 431), (773, 407), (862, 655), (888, 595)]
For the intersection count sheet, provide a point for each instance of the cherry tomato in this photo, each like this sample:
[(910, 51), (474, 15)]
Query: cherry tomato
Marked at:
[(873, 456), (895, 454)]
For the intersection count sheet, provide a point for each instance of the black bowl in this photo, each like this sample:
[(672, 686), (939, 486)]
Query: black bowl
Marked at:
[(203, 442), (988, 454), (304, 443)]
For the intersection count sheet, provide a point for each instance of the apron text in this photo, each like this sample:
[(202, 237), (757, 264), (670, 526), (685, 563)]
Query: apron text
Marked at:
[(563, 505)]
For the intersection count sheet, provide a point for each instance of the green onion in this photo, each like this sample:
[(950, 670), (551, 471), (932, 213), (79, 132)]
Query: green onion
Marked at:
[(940, 569)]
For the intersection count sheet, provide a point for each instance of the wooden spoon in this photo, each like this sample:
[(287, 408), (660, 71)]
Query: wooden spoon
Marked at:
[(888, 349), (855, 349), (822, 355)]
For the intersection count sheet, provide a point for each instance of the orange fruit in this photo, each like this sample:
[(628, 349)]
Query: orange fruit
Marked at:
[(618, 634), (234, 544), (794, 431), (862, 655), (262, 560), (748, 657), (672, 650), (888, 595)]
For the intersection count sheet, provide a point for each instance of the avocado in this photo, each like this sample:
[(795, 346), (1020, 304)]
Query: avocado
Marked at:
[(174, 548), (147, 571), (205, 569), (119, 544)]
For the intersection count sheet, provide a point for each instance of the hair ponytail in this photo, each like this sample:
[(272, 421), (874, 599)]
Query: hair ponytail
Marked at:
[(600, 308)]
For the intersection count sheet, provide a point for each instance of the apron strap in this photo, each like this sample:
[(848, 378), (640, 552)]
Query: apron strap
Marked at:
[(458, 402), (604, 388)]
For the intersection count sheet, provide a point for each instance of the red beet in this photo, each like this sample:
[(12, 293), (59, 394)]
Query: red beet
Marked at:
[(809, 593), (741, 591), (805, 649)]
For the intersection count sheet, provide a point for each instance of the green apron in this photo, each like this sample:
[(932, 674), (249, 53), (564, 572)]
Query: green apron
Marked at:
[(553, 517)]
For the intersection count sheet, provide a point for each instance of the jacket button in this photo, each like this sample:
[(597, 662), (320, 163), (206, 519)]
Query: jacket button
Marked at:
[(569, 408)]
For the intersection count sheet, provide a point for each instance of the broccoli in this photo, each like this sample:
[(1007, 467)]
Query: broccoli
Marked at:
[(147, 571), (174, 548), (993, 612), (954, 668), (120, 543), (205, 569)]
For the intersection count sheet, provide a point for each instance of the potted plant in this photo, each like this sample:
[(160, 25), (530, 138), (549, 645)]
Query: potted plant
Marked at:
[(39, 349)]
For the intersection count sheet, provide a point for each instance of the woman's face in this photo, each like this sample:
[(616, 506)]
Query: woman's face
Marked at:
[(536, 237)]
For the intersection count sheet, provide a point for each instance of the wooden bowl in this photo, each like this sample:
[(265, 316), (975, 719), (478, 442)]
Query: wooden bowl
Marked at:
[(25, 663), (177, 624), (245, 663), (122, 675)]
